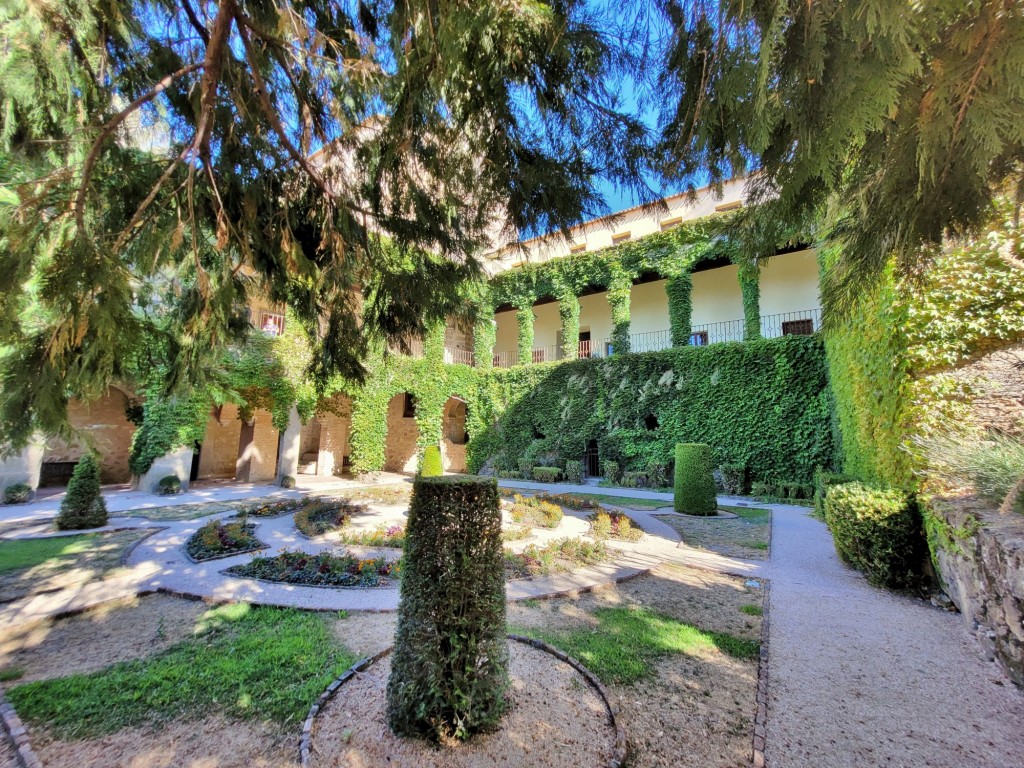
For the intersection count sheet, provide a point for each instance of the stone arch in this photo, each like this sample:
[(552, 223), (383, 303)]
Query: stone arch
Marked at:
[(453, 434), (104, 426), (401, 452)]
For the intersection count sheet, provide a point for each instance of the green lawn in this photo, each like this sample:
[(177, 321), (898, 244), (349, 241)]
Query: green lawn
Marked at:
[(750, 514), (626, 501), (626, 642), (244, 662), (16, 555)]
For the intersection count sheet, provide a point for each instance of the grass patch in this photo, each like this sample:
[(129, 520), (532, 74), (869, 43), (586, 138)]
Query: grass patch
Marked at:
[(750, 514), (8, 674), (16, 555), (752, 610), (626, 501), (244, 662), (626, 642)]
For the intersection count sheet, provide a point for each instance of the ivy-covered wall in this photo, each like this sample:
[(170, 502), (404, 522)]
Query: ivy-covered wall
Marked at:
[(763, 403)]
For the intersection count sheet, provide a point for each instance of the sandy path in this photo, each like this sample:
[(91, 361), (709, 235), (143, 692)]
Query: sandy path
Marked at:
[(861, 677)]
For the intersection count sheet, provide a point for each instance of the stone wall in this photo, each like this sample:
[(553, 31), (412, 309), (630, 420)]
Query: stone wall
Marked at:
[(219, 454), (982, 569), (104, 423), (333, 447), (400, 452), (22, 468), (257, 461)]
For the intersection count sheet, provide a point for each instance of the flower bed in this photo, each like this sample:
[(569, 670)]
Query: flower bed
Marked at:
[(516, 533), (380, 536), (217, 539), (271, 508), (607, 523), (535, 512), (323, 515), (557, 557), (322, 570)]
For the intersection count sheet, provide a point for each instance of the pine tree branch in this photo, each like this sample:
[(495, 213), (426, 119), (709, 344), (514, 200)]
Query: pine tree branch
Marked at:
[(110, 127)]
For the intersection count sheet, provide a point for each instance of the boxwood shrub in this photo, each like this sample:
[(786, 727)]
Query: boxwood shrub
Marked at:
[(169, 486), (546, 474), (824, 480), (449, 668), (18, 493), (695, 484), (878, 532), (574, 471)]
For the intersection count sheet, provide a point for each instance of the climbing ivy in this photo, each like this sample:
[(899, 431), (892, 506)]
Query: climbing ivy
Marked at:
[(750, 288), (569, 314), (168, 423), (524, 318), (679, 290), (485, 332)]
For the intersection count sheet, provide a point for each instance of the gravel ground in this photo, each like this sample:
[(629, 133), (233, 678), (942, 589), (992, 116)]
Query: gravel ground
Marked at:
[(861, 677)]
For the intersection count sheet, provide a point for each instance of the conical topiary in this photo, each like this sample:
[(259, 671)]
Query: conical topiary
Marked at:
[(431, 464), (83, 505)]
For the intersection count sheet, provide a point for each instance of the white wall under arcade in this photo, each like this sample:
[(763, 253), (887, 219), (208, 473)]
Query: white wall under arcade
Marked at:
[(789, 283)]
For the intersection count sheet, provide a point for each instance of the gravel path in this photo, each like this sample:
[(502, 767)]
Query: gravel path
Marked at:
[(861, 677)]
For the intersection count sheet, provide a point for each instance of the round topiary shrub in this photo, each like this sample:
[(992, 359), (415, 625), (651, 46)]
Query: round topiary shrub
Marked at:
[(287, 482), (879, 532), (83, 505), (169, 486), (695, 483), (18, 493), (449, 669), (431, 464)]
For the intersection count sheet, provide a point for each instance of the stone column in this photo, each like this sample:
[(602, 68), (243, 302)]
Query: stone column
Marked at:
[(333, 442), (288, 458), (25, 466), (750, 287), (485, 332), (569, 314), (525, 318), (618, 299), (680, 308)]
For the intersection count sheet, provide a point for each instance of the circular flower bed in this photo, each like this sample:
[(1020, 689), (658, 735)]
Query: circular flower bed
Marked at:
[(607, 523), (321, 516), (217, 539), (322, 570)]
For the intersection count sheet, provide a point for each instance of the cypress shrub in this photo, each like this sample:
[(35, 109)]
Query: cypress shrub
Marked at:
[(695, 482), (878, 532), (449, 669), (431, 465), (83, 506)]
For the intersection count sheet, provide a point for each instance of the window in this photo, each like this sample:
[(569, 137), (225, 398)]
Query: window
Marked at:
[(699, 339), (409, 407), (578, 248), (729, 206), (621, 237), (798, 328), (670, 223), (272, 323)]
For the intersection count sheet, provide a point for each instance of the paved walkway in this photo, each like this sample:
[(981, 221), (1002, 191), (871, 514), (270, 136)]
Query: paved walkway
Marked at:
[(857, 676)]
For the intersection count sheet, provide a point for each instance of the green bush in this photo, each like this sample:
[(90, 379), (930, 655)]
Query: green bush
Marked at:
[(822, 482), (611, 472), (449, 668), (526, 468), (535, 511), (546, 474), (83, 505), (878, 532), (18, 493), (695, 484), (635, 480), (431, 464), (287, 482), (734, 479), (574, 472), (169, 486)]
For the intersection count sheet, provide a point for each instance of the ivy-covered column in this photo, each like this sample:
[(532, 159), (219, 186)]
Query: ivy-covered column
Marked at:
[(433, 342), (485, 332), (750, 287), (680, 308), (618, 298), (524, 318), (569, 313), (290, 442)]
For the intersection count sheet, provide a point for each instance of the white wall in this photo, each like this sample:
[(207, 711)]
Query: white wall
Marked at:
[(546, 325), (716, 296), (596, 317), (648, 308), (789, 283), (507, 336)]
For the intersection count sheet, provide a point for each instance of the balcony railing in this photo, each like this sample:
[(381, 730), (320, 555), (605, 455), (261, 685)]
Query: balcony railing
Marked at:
[(459, 356)]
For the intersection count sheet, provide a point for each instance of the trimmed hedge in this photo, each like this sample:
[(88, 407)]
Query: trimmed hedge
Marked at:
[(18, 493), (879, 532), (431, 466), (695, 483), (822, 482), (449, 669), (83, 505), (574, 472), (169, 486), (546, 474)]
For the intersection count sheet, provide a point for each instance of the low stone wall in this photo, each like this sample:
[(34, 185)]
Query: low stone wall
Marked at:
[(981, 561)]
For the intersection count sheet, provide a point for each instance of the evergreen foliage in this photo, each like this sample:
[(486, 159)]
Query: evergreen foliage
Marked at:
[(18, 493), (449, 669), (694, 482), (431, 465), (878, 532), (83, 505), (900, 122), (169, 485)]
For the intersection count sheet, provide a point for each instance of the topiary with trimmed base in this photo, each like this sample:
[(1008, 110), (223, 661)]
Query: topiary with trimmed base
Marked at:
[(449, 669), (83, 505), (431, 464), (695, 481)]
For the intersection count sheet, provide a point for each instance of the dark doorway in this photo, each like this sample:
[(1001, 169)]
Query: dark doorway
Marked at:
[(591, 461), (194, 472)]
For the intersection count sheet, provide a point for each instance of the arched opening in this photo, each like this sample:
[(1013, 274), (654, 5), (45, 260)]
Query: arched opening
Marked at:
[(651, 422), (591, 460), (454, 435), (400, 450)]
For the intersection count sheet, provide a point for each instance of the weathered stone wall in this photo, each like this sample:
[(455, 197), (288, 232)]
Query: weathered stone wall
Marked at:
[(995, 388), (104, 423), (333, 447), (981, 562), (400, 454), (219, 453), (22, 468)]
